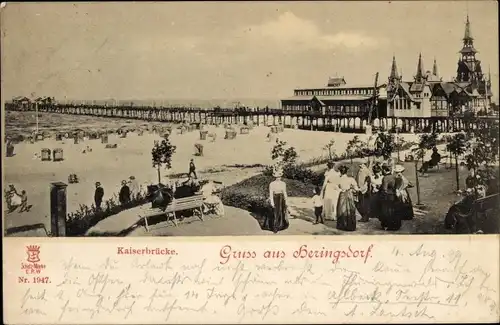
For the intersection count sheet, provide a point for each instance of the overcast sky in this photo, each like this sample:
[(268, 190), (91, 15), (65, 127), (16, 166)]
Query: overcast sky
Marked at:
[(230, 50)]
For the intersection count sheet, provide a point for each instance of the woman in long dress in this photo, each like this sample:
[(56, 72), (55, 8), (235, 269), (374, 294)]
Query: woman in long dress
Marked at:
[(363, 179), (212, 203), (404, 206), (330, 192), (346, 206), (277, 194), (389, 219), (375, 183)]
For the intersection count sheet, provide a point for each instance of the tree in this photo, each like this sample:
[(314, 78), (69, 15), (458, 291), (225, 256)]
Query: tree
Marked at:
[(330, 147), (484, 152), (162, 153), (384, 145), (353, 147), (418, 153), (427, 142), (281, 151), (457, 145)]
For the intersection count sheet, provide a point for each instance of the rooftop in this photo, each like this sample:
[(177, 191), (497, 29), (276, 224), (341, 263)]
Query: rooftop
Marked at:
[(329, 98)]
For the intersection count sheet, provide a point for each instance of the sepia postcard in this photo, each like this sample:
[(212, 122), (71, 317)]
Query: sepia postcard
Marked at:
[(250, 162)]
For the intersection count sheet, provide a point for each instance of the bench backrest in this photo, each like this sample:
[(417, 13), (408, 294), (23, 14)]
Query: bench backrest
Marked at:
[(185, 203), (487, 203)]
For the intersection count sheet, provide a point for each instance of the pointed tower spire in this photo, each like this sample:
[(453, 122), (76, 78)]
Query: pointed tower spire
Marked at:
[(420, 68), (467, 34), (394, 69), (435, 69)]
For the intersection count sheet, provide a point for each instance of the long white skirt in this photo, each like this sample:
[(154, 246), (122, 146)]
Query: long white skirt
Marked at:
[(330, 203)]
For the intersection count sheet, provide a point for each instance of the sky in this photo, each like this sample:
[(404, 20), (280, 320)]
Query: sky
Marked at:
[(208, 50)]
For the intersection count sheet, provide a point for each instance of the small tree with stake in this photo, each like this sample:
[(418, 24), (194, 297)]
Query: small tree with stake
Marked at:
[(384, 145), (399, 144), (457, 145), (353, 146), (162, 153), (330, 147), (427, 142)]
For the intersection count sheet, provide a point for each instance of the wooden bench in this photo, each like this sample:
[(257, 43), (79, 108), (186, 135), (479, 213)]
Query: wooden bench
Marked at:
[(484, 214), (194, 203)]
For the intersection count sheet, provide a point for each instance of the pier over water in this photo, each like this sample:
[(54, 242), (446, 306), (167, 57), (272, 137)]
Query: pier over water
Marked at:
[(304, 119)]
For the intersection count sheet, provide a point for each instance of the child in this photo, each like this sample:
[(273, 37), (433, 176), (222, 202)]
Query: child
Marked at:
[(318, 206)]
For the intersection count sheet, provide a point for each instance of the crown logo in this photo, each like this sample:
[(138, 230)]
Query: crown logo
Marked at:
[(33, 247), (33, 252)]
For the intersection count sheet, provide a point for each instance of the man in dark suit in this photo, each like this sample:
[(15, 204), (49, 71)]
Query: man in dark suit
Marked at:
[(192, 169), (98, 195), (124, 195)]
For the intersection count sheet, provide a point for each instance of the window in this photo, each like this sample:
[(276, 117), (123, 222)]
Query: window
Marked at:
[(417, 105)]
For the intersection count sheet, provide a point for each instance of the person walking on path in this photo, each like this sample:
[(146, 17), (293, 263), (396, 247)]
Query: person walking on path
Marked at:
[(124, 195), (192, 169), (98, 195)]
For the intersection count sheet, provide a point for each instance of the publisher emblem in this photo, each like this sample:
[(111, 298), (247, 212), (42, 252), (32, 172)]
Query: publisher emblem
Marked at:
[(33, 252)]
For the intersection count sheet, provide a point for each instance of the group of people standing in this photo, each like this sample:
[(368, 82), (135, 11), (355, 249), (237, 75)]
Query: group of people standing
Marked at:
[(129, 190), (380, 190)]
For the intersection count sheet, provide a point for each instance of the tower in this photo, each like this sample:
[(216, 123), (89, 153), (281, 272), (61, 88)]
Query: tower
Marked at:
[(394, 78), (420, 76), (469, 68), (435, 69)]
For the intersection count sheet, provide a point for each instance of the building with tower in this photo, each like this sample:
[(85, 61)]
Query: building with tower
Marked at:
[(427, 95)]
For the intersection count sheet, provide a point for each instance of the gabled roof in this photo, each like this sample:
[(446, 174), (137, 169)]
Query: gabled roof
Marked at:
[(21, 98), (417, 87), (405, 86)]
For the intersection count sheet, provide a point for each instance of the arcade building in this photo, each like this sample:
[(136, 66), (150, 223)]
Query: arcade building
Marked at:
[(426, 95)]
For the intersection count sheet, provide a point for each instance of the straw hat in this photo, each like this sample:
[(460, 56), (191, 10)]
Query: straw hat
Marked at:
[(399, 169), (278, 171), (132, 177), (97, 184)]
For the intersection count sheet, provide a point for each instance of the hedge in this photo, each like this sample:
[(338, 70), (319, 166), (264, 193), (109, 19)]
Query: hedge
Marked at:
[(252, 194), (77, 223)]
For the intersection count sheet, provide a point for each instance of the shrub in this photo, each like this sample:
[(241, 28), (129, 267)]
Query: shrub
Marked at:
[(299, 173), (78, 222), (252, 194)]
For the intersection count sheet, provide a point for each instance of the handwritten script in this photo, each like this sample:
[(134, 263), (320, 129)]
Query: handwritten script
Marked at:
[(255, 283)]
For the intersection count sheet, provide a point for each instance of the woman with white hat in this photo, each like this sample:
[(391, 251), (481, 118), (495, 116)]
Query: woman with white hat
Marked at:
[(277, 195)]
